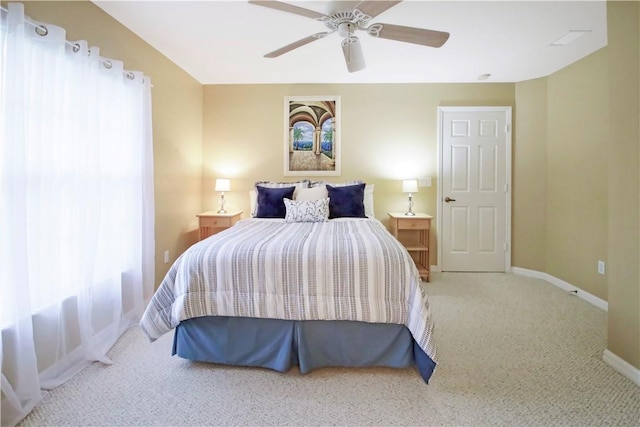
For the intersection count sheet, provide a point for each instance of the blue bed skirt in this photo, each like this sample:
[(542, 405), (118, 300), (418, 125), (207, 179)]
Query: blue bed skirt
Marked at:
[(280, 344)]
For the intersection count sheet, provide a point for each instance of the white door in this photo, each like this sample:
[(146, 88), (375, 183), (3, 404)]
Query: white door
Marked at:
[(474, 188)]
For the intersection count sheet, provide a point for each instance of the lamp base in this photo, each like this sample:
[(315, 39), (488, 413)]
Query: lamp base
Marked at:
[(222, 211), (410, 211)]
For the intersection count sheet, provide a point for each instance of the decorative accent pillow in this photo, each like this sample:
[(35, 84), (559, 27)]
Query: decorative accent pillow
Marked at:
[(253, 195), (306, 210), (347, 201), (315, 193), (271, 201), (368, 193)]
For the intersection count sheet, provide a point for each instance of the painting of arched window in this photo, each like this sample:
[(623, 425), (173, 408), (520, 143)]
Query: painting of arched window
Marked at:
[(312, 136)]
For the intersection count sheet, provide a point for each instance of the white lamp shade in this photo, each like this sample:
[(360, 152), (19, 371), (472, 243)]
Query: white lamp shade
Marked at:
[(410, 186), (223, 185)]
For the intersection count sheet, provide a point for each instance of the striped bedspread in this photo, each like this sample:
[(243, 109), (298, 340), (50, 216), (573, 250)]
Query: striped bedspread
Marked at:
[(342, 269)]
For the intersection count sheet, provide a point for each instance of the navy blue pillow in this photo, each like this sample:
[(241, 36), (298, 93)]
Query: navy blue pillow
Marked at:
[(271, 201), (347, 201)]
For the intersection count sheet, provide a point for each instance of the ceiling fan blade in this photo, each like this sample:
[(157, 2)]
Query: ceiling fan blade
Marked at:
[(401, 33), (296, 44), (374, 8), (352, 50), (285, 7)]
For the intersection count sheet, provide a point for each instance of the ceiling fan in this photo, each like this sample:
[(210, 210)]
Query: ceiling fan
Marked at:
[(346, 23)]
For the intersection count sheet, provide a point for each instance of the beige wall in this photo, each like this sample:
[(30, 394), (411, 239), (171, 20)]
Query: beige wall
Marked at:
[(577, 169), (529, 193), (389, 132), (177, 117), (624, 182), (561, 173)]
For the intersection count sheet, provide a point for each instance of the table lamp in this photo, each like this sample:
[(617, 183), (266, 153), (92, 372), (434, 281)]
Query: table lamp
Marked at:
[(222, 185), (410, 186)]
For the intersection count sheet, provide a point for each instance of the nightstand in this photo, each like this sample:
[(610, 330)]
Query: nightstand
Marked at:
[(413, 233), (212, 222)]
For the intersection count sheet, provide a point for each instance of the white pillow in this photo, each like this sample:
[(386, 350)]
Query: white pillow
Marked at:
[(368, 201), (334, 184), (306, 210), (307, 194)]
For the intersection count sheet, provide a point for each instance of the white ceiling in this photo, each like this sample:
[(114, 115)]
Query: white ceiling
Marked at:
[(223, 42)]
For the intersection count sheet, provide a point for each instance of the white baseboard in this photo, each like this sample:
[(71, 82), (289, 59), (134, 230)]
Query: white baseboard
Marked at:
[(592, 299), (622, 366)]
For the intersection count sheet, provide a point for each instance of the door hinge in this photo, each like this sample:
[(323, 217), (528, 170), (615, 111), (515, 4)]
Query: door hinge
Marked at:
[(506, 247), (506, 188), (507, 128)]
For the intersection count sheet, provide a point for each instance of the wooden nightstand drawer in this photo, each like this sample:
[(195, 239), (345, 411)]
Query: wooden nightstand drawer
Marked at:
[(413, 224), (211, 223), (208, 221)]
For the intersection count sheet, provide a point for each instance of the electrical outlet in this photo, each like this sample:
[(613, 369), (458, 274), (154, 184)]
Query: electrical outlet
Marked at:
[(166, 257), (601, 267)]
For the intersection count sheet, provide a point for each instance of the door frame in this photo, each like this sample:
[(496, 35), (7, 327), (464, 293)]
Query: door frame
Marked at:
[(507, 110)]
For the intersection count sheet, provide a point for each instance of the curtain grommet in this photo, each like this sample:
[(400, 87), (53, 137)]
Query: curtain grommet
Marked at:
[(41, 30)]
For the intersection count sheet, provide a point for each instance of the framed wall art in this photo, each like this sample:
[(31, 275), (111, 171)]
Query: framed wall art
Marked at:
[(312, 136)]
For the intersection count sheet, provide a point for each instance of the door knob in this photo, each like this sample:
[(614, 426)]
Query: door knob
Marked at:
[(448, 199)]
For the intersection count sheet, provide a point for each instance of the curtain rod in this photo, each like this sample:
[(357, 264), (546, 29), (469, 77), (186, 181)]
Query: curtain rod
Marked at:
[(42, 30)]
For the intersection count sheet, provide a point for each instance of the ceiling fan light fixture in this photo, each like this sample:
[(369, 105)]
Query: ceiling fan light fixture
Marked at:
[(352, 50), (345, 29)]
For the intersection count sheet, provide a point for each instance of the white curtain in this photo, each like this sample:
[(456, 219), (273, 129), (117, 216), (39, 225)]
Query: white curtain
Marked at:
[(76, 207)]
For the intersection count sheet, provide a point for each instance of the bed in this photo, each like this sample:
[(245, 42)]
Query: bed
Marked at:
[(312, 285)]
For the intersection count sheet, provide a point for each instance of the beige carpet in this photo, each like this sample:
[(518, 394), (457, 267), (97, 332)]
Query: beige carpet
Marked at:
[(513, 351)]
